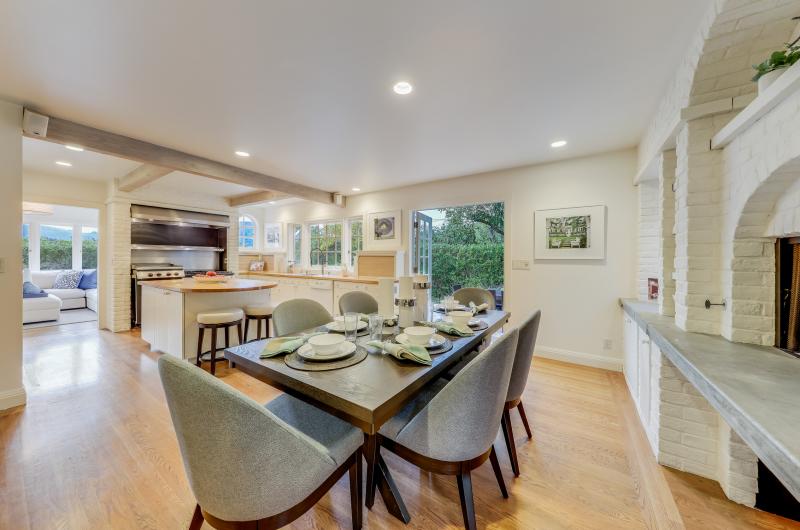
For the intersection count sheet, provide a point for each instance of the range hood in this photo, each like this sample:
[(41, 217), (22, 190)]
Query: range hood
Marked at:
[(168, 216)]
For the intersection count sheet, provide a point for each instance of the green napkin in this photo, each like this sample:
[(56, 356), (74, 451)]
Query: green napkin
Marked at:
[(285, 345), (478, 308), (450, 328), (418, 354)]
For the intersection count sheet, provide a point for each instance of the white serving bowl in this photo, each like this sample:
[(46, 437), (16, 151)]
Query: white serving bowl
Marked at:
[(460, 318), (327, 344), (419, 335)]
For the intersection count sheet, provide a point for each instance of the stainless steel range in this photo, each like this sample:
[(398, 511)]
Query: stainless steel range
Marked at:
[(143, 272)]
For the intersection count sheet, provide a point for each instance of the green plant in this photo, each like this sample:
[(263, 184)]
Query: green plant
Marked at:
[(777, 60)]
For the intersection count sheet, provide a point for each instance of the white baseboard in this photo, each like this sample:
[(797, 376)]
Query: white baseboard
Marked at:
[(12, 398), (576, 357)]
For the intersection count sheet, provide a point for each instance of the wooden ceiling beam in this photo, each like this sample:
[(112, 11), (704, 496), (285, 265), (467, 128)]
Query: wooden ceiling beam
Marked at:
[(254, 197), (66, 132), (142, 176)]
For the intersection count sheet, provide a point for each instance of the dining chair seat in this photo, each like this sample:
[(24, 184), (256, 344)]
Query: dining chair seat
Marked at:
[(257, 310), (220, 316)]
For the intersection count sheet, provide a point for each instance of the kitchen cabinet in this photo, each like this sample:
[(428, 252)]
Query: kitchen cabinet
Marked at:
[(162, 323), (641, 358), (318, 290), (630, 366)]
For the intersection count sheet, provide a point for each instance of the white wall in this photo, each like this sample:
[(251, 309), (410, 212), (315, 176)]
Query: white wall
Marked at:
[(578, 298), (12, 392)]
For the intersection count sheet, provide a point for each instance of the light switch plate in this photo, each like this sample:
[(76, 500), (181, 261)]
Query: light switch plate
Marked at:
[(521, 264)]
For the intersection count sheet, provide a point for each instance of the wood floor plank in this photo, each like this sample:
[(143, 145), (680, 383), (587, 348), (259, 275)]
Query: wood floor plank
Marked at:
[(95, 448)]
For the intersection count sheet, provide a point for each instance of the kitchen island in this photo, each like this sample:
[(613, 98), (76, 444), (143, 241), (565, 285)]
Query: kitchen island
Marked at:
[(170, 308)]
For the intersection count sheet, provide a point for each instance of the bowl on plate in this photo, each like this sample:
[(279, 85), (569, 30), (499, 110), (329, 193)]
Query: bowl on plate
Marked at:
[(419, 335), (460, 318), (327, 344)]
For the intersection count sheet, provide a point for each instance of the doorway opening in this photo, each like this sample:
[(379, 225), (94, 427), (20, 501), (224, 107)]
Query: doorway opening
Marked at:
[(461, 246)]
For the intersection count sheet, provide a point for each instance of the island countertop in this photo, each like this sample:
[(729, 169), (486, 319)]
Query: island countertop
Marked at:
[(301, 276), (190, 285)]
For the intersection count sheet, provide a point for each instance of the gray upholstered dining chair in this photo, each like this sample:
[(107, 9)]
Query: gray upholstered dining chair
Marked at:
[(466, 295), (450, 428), (251, 465), (298, 314), (519, 378), (357, 302)]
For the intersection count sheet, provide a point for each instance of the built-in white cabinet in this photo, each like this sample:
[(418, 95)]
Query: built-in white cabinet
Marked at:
[(641, 358), (318, 290), (340, 288), (162, 323)]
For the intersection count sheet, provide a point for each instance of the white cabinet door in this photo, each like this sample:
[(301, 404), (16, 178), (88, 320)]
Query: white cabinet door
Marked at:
[(150, 317), (172, 321), (320, 291), (630, 367), (644, 378), (339, 289)]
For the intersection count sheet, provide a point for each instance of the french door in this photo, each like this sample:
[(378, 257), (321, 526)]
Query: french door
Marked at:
[(423, 244)]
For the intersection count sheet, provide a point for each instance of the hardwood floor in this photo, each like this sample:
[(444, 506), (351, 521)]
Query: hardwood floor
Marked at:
[(94, 448)]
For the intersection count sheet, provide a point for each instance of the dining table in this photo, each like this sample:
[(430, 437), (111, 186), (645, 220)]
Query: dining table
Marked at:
[(366, 394)]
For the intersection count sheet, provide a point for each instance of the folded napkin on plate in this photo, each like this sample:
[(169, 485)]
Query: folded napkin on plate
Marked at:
[(418, 354), (450, 328), (285, 345), (478, 308), (387, 321)]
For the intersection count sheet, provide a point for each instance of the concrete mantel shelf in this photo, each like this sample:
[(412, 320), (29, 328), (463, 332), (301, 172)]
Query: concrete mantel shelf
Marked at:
[(782, 88), (756, 389)]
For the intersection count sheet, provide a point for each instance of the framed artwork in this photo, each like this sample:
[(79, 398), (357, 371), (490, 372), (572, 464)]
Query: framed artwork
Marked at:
[(256, 266), (652, 288), (384, 230), (570, 233), (273, 236)]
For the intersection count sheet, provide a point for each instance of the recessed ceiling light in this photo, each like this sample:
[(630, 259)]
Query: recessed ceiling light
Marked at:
[(402, 88), (356, 189), (559, 143), (62, 163), (74, 147), (243, 154)]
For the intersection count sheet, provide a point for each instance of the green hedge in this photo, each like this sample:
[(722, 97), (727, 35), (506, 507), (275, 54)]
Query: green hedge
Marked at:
[(478, 265)]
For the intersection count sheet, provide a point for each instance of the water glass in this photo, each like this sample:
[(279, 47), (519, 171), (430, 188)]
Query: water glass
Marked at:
[(375, 327), (351, 326)]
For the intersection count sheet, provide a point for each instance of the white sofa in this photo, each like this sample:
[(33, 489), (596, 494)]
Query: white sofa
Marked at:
[(70, 298), (44, 309), (41, 309)]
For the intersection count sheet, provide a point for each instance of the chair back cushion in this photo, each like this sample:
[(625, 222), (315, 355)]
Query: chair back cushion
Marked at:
[(473, 294), (522, 360), (243, 462), (298, 314), (44, 279), (357, 302), (461, 422)]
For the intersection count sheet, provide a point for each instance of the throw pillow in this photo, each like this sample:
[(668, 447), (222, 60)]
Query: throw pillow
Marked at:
[(30, 290), (68, 280), (89, 279)]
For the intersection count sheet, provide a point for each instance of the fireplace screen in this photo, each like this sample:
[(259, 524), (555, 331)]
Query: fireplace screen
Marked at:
[(788, 294)]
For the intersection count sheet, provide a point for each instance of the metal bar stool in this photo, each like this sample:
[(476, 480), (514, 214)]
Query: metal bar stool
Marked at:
[(258, 313), (223, 318)]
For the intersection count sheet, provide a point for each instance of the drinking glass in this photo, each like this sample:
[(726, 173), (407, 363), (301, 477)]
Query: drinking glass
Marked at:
[(375, 327), (351, 326)]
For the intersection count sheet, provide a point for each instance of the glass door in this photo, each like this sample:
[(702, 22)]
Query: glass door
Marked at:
[(423, 244)]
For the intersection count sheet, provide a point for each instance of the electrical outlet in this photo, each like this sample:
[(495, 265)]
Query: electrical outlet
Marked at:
[(521, 264), (608, 344)]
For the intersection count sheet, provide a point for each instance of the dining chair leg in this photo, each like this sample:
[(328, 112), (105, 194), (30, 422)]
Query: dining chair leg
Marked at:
[(467, 504), (522, 415), (213, 350), (197, 519), (508, 434), (200, 347), (356, 499), (371, 456), (246, 327), (498, 474)]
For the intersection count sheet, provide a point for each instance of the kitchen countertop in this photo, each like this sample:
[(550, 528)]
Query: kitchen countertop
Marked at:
[(756, 389), (334, 277), (190, 285)]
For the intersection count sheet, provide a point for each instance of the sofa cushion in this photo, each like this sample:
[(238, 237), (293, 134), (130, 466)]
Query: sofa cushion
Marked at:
[(37, 304), (67, 294), (44, 279), (68, 280), (30, 290), (89, 279), (91, 299)]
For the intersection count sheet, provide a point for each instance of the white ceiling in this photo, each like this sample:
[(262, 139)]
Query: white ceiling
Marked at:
[(40, 157), (306, 86)]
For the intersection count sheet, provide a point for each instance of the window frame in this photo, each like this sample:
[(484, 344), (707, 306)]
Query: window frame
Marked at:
[(309, 238), (350, 253)]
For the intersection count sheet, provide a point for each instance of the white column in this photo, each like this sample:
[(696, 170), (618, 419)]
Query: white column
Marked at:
[(12, 393), (77, 248), (35, 246)]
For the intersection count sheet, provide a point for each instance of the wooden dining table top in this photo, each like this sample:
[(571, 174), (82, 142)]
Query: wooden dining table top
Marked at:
[(366, 394)]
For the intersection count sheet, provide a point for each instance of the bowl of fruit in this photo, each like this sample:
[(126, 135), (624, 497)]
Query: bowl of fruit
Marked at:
[(210, 277)]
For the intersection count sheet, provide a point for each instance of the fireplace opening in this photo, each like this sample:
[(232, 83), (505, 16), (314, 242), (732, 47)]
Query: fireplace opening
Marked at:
[(787, 295)]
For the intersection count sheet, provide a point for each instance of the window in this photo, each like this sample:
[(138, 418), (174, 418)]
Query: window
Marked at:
[(247, 232), (88, 247), (295, 232), (55, 247), (356, 239), (26, 245), (326, 244)]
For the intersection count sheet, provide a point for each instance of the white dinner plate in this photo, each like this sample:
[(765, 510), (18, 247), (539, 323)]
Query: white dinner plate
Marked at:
[(435, 341), (473, 322), (307, 352), (338, 326)]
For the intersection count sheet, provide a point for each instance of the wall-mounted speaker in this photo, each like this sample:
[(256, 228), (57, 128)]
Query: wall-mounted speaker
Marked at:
[(34, 124)]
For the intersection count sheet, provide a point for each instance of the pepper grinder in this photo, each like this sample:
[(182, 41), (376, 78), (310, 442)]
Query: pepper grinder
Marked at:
[(405, 302), (422, 295)]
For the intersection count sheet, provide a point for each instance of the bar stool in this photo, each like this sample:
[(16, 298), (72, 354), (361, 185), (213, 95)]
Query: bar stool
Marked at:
[(223, 318), (257, 313)]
